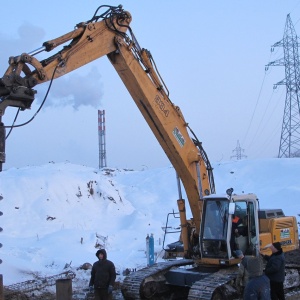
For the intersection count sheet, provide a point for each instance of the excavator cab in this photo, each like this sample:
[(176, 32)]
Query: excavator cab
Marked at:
[(215, 228), (229, 224)]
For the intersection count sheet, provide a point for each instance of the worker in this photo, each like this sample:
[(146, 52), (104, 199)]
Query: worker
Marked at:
[(236, 221), (243, 228), (257, 284), (103, 276), (242, 277), (275, 270)]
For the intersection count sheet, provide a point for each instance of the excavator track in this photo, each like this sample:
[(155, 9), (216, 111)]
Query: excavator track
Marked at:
[(207, 287), (144, 283), (150, 282)]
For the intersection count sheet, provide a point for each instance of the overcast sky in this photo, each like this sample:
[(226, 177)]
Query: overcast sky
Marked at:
[(211, 55)]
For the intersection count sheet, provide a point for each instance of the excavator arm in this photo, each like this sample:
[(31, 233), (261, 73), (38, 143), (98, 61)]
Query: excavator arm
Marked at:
[(169, 127), (107, 35)]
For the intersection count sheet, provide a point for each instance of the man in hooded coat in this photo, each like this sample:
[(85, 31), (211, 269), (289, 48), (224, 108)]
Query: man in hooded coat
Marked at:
[(103, 276)]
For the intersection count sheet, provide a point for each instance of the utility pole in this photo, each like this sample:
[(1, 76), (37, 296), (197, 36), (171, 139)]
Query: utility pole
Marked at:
[(238, 150), (290, 132)]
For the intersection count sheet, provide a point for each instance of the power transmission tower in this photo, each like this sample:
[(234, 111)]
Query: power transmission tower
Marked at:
[(238, 150), (290, 132)]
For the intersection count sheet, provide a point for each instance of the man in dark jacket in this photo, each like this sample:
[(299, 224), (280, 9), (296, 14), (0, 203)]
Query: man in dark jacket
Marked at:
[(103, 276), (275, 270), (257, 284)]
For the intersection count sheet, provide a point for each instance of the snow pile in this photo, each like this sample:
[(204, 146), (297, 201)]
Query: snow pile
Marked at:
[(56, 215)]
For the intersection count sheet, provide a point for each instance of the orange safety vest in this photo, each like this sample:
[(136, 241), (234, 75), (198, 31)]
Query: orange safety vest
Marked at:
[(235, 219)]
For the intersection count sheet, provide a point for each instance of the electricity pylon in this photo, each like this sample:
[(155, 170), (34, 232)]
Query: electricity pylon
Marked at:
[(290, 132), (238, 152)]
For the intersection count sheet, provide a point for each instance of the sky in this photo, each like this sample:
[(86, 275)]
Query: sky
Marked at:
[(211, 55), (55, 214)]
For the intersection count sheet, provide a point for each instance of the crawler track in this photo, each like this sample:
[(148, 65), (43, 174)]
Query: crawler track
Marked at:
[(207, 288), (147, 281)]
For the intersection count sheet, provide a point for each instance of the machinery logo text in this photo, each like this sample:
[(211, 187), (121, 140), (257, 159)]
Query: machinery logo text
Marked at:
[(161, 105), (285, 233), (179, 137)]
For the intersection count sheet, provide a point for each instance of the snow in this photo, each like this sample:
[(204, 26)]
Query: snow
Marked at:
[(54, 215)]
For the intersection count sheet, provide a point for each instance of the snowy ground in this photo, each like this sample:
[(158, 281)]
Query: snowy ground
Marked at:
[(56, 215)]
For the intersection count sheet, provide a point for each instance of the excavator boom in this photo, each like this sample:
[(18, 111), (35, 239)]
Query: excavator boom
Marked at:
[(107, 35)]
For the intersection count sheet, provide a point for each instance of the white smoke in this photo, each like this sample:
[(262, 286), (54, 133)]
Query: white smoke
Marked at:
[(75, 89)]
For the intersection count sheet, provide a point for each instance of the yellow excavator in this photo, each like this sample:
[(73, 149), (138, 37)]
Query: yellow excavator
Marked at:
[(208, 267)]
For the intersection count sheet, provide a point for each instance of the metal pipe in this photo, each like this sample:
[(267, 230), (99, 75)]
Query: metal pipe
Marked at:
[(178, 186), (2, 144), (38, 50), (1, 288), (199, 181)]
